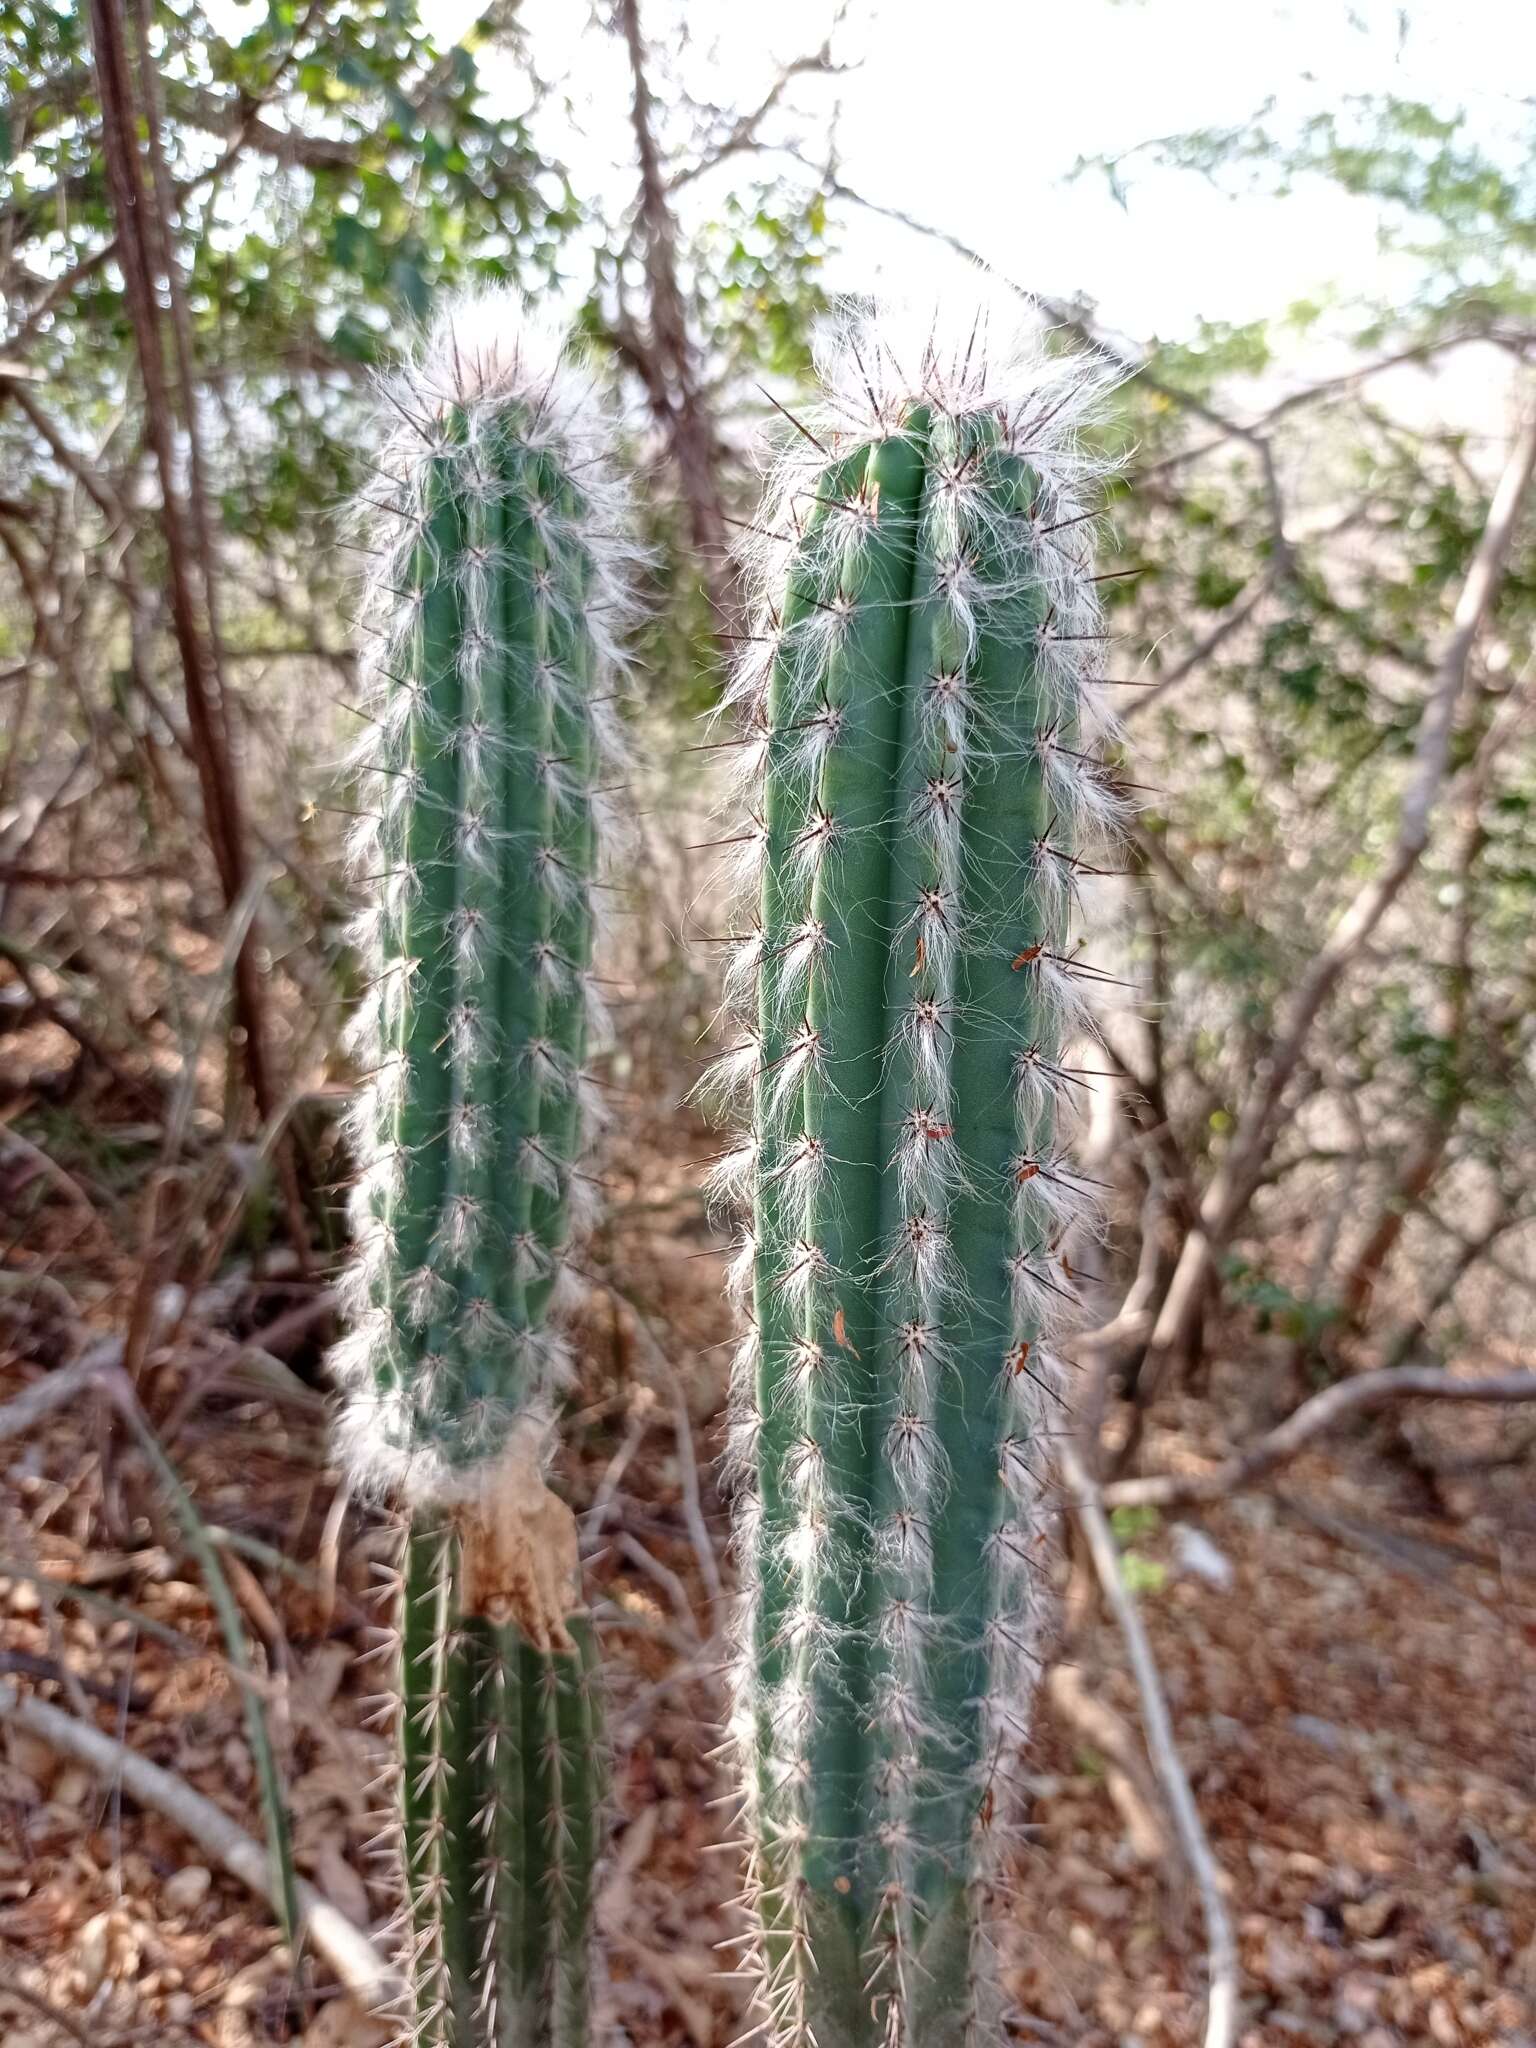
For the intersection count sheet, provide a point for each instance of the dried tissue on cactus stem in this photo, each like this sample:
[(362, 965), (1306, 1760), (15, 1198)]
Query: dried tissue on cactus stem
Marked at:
[(520, 1555)]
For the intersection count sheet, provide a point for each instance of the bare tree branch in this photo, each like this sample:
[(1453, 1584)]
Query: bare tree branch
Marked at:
[(745, 132), (164, 258), (1324, 1411), (1240, 1174), (64, 285), (1420, 1168), (101, 494), (667, 364)]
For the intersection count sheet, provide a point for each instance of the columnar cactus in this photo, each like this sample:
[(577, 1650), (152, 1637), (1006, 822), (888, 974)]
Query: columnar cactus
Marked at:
[(922, 715), (502, 579)]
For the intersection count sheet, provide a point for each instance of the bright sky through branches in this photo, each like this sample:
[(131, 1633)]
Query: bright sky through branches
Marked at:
[(971, 115)]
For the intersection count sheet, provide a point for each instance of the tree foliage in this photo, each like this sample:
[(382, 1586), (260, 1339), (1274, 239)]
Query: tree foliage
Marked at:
[(1307, 545)]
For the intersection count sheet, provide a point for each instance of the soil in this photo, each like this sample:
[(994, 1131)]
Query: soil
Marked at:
[(1350, 1661)]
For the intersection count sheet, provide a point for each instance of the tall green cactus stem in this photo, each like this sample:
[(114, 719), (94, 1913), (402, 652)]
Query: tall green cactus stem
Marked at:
[(922, 712), (503, 581)]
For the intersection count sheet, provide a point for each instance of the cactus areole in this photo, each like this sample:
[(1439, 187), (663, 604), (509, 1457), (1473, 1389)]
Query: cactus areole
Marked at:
[(922, 722), (501, 586)]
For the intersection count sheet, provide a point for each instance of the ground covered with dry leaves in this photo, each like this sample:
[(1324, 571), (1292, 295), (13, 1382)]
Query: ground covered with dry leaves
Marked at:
[(1352, 1678)]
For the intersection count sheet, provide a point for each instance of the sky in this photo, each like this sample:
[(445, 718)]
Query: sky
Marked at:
[(976, 129)]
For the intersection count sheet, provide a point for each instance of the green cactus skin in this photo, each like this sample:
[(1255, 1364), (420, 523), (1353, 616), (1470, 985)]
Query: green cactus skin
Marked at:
[(503, 1777), (504, 582), (921, 709)]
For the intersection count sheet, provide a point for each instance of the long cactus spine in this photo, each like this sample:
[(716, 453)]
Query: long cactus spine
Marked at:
[(503, 581), (922, 711)]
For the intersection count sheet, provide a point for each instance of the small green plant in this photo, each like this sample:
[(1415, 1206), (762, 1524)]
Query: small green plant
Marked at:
[(1278, 1309), (923, 720), (503, 581), (1131, 1526)]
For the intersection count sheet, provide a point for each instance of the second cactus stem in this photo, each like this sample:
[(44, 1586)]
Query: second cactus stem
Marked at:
[(923, 708)]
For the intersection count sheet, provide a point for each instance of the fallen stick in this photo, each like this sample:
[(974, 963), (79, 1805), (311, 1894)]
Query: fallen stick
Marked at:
[(1125, 1774), (1221, 1946), (66, 2023), (351, 1954)]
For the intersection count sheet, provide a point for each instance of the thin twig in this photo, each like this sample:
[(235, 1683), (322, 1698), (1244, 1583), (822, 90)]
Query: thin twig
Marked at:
[(593, 1520), (1230, 622), (1221, 1945), (632, 1549), (51, 1170), (687, 1460), (56, 1390), (239, 918)]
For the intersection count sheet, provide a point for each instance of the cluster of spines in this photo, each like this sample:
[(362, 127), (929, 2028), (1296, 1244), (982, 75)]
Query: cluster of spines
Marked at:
[(502, 1782), (922, 726), (501, 587)]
